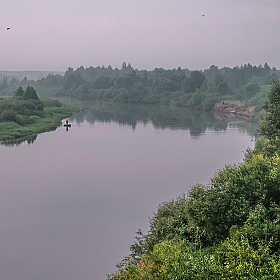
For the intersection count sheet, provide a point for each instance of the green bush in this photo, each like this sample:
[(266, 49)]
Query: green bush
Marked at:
[(51, 103), (228, 229)]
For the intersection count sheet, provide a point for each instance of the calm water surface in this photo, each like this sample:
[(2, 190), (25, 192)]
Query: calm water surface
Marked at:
[(71, 202)]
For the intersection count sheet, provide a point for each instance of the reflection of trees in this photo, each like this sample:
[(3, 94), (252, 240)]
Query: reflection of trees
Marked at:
[(245, 128), (30, 140), (161, 116)]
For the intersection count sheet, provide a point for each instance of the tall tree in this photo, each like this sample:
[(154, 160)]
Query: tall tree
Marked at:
[(251, 89), (4, 83), (30, 93), (19, 93), (223, 88), (197, 78), (270, 126)]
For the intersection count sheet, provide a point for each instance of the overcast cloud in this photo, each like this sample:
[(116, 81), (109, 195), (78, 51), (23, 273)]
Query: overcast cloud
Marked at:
[(57, 34)]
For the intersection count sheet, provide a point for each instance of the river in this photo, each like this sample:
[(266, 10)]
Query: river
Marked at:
[(71, 201)]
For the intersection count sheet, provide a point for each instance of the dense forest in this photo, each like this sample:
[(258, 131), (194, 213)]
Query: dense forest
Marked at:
[(228, 229), (199, 89)]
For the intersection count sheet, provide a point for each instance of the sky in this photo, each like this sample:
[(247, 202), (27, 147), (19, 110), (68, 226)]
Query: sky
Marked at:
[(57, 34)]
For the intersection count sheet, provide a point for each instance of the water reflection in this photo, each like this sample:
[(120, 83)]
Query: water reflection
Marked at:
[(70, 204), (67, 125), (161, 116), (29, 140)]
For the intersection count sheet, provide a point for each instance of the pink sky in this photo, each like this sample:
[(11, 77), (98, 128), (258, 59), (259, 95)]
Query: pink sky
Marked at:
[(57, 34)]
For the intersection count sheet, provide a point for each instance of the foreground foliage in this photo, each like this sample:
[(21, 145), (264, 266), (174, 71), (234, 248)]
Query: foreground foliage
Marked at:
[(228, 229)]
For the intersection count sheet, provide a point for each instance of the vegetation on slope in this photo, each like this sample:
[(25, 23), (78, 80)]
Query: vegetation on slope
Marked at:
[(228, 229)]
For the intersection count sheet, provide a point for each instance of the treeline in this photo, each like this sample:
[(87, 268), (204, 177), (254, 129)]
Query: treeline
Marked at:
[(22, 107), (228, 229), (199, 89)]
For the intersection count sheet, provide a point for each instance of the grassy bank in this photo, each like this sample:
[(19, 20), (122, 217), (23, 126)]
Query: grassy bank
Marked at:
[(51, 117)]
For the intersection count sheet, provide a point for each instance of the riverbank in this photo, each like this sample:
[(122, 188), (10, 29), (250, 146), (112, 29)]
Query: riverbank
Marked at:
[(53, 113), (232, 110)]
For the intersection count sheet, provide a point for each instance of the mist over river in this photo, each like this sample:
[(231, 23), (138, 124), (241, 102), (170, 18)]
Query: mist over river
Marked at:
[(71, 201)]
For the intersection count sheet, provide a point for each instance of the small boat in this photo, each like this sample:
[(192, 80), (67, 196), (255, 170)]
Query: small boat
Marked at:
[(67, 124)]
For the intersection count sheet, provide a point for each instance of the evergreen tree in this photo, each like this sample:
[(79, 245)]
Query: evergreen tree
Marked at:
[(270, 126), (30, 93), (4, 83), (19, 93)]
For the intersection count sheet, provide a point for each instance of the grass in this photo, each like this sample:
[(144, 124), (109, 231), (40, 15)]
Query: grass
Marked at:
[(233, 102), (11, 132)]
